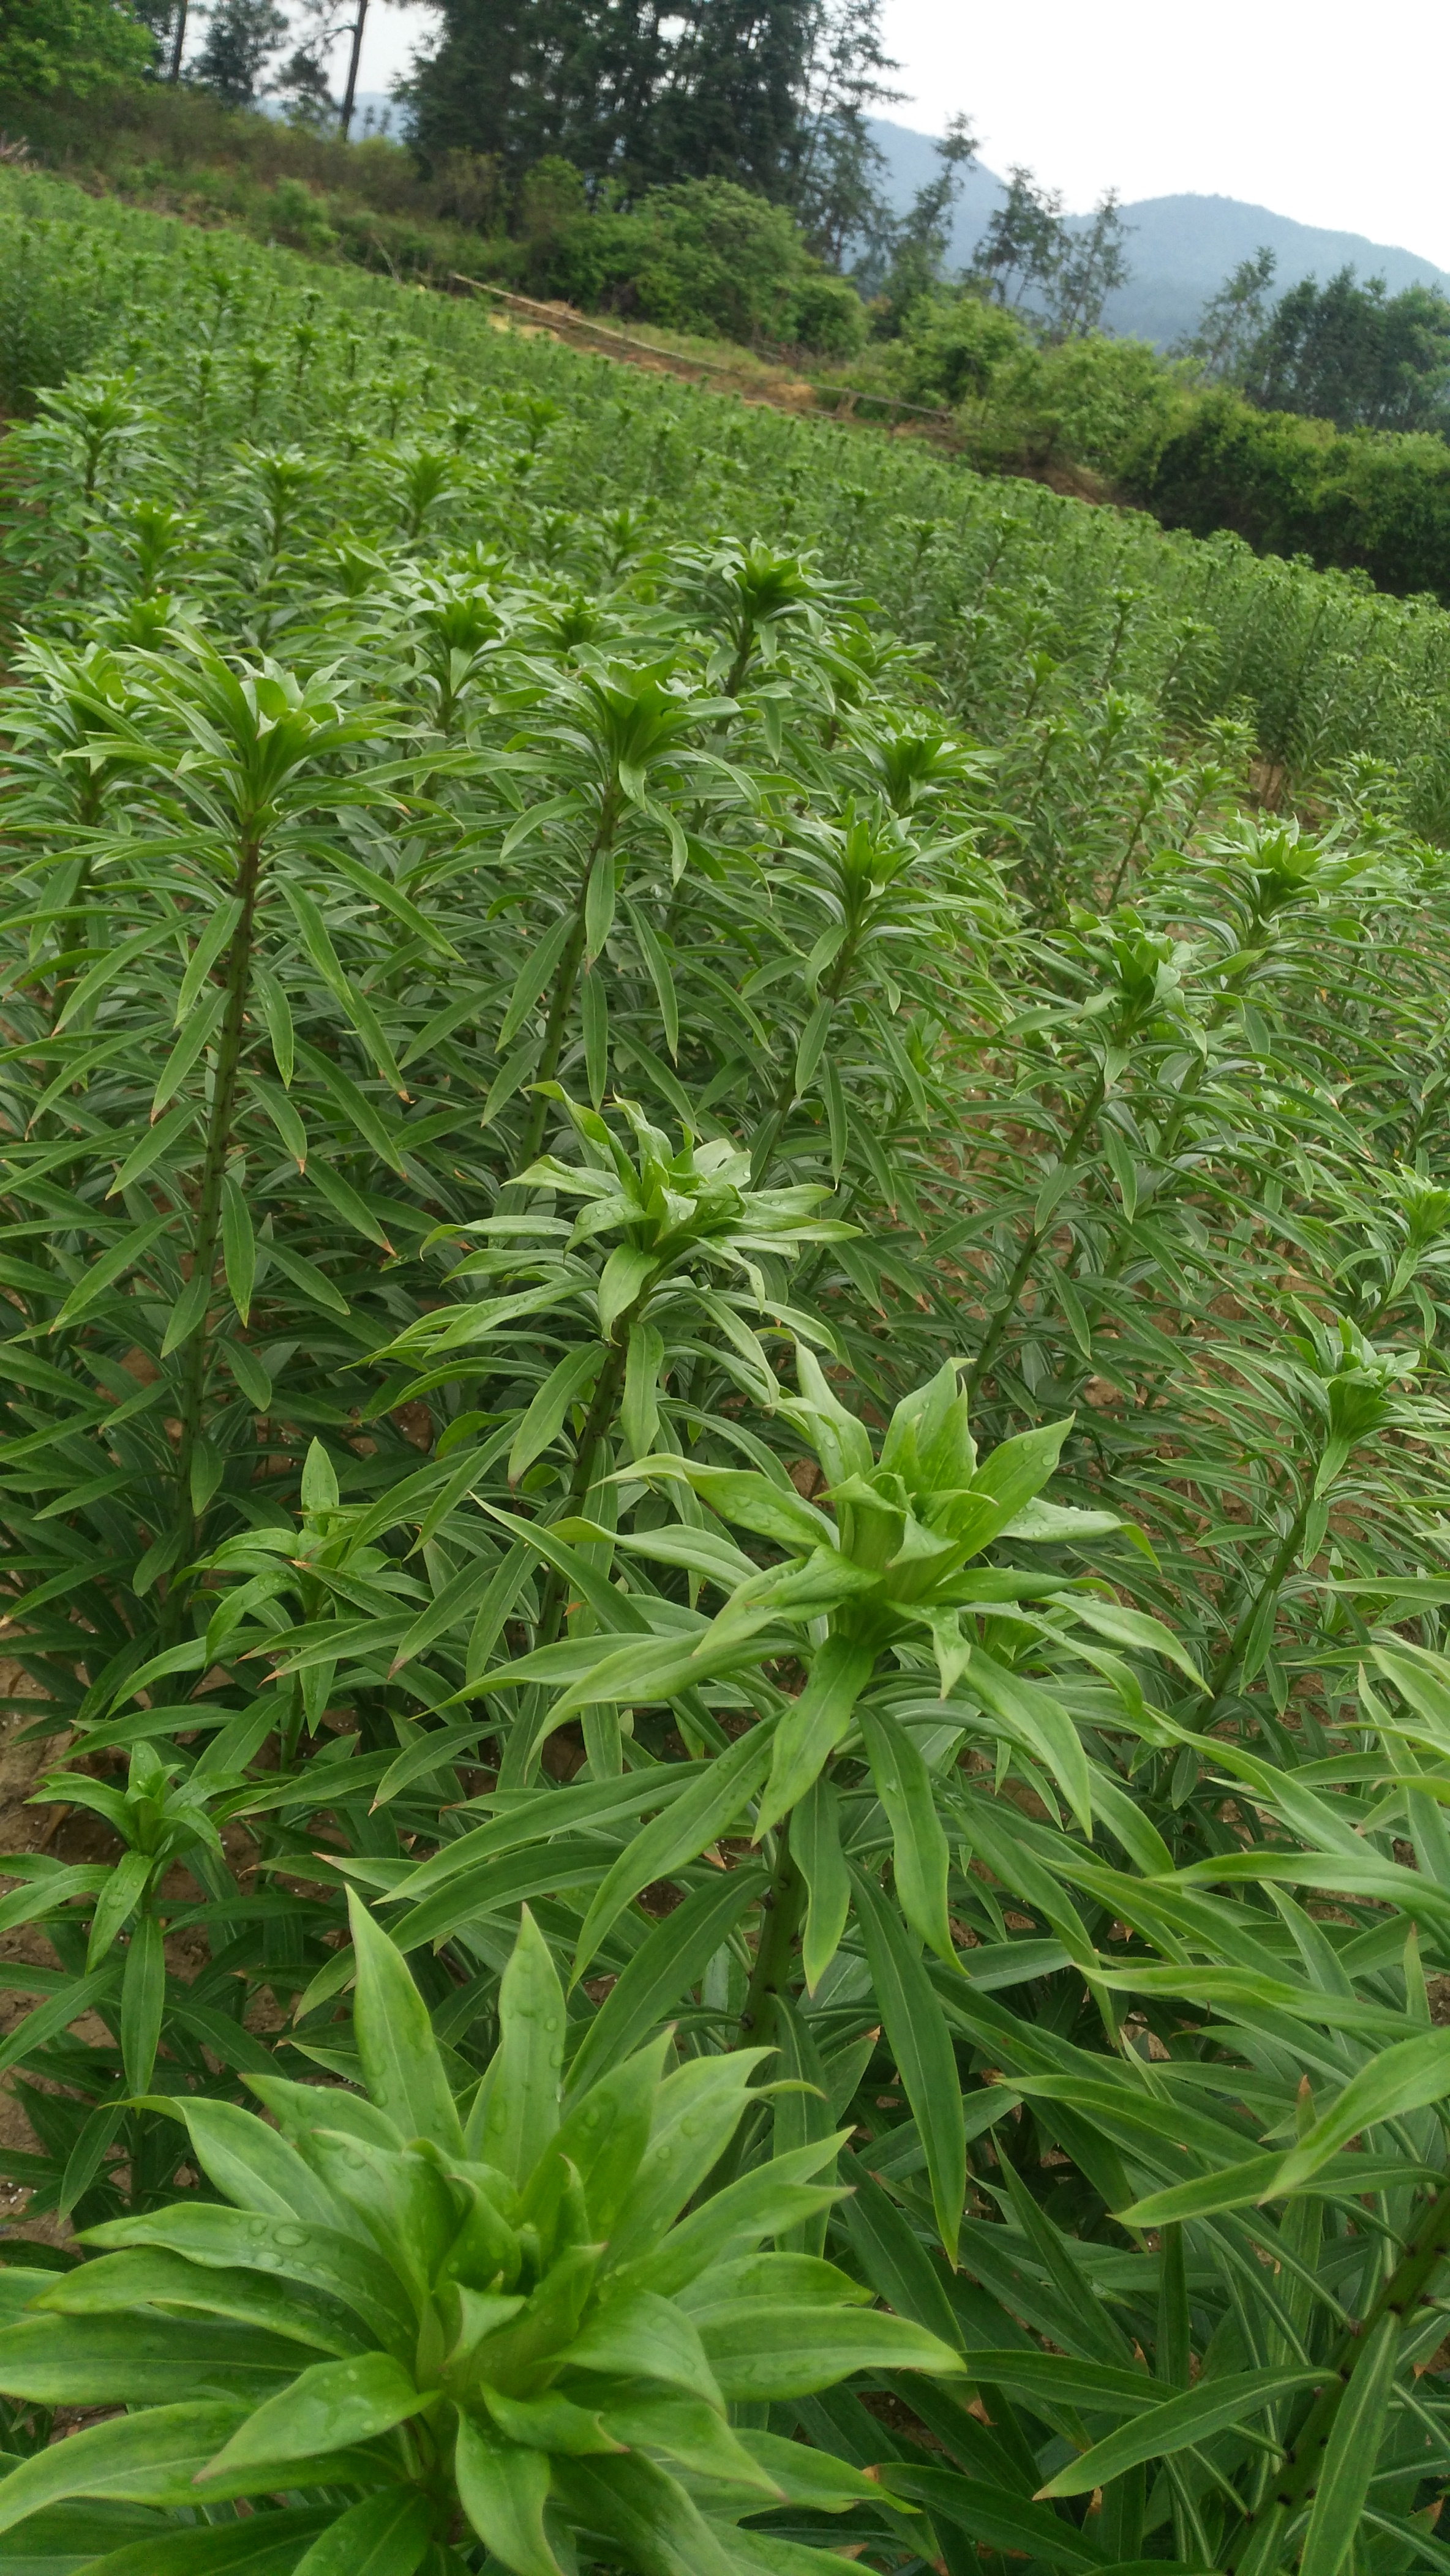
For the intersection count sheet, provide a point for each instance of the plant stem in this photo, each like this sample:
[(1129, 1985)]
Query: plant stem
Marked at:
[(782, 1906), (218, 1146), (769, 1133), (1228, 1662), (1007, 1303), (1303, 2457), (774, 1120), (1117, 1259), (741, 664), (781, 1909), (1144, 810), (607, 1389), (565, 980)]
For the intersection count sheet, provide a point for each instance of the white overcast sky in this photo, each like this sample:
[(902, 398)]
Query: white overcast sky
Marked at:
[(1312, 107)]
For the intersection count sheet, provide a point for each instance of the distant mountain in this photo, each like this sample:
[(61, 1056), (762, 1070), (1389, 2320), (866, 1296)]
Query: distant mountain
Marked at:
[(386, 115), (1180, 248)]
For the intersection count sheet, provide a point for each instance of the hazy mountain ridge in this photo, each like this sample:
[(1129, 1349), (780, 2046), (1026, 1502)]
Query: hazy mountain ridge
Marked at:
[(1181, 248)]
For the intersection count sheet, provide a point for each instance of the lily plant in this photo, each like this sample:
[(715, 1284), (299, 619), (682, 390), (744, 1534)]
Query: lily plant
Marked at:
[(409, 2323)]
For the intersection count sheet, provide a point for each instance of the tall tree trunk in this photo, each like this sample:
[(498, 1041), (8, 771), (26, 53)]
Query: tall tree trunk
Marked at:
[(350, 93)]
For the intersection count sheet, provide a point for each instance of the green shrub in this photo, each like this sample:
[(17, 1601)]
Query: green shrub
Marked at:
[(299, 218), (826, 315), (722, 257), (956, 349), (84, 46), (59, 295), (703, 256), (1377, 500), (1106, 403)]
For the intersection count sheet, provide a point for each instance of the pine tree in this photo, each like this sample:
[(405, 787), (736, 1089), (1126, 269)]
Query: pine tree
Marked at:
[(731, 107), (838, 185), (908, 257), (1233, 319), (1092, 265), (1022, 247), (768, 93), (1355, 355), (519, 80), (242, 37)]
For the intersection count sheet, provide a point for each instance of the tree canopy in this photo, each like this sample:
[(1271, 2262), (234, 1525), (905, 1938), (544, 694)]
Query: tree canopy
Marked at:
[(73, 44), (1352, 354), (241, 39), (771, 94), (1055, 271), (1346, 352)]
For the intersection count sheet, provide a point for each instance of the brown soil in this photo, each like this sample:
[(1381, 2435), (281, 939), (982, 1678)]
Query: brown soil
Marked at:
[(26, 1828)]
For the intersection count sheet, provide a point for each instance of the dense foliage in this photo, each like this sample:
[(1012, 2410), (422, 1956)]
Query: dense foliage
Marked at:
[(1379, 503), (704, 256), (518, 2336), (81, 45), (768, 94), (1344, 352), (726, 1253)]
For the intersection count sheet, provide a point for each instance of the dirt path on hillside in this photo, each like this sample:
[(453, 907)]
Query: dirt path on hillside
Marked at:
[(776, 388)]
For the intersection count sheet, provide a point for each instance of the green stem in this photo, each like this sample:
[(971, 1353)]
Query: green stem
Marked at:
[(607, 1389), (741, 664), (1188, 1091), (566, 979), (1228, 1662), (1127, 858), (1007, 1303), (782, 1906), (1192, 1082), (218, 1146), (1303, 2457), (74, 914), (763, 1151)]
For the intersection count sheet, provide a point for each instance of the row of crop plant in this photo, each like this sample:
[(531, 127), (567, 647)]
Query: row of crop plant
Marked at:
[(724, 1421)]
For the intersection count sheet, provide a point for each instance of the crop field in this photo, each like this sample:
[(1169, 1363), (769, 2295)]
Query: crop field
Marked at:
[(725, 1206)]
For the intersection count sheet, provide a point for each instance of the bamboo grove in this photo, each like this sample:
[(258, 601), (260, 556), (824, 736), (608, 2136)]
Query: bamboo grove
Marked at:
[(726, 1204)]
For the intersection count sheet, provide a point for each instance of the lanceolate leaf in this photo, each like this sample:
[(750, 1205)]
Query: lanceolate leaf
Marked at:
[(1165, 2429), (150, 2458), (520, 2111), (1352, 2454), (260, 2546), (904, 1787), (504, 2488), (670, 1961), (395, 2039), (385, 2535), (328, 2407), (710, 1807), (816, 1847), (923, 2051), (994, 2519), (815, 1723)]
